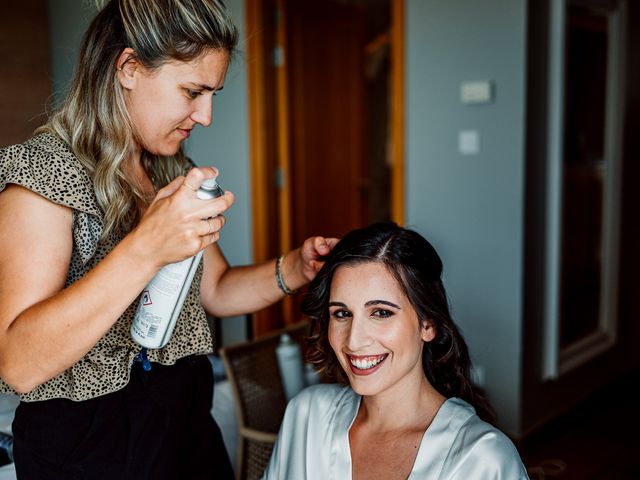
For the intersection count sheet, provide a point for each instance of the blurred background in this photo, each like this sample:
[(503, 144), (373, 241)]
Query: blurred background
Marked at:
[(502, 130)]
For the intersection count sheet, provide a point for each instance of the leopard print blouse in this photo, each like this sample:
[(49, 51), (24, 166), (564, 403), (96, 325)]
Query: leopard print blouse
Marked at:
[(46, 166)]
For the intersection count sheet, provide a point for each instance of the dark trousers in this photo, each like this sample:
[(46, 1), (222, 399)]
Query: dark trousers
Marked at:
[(158, 427)]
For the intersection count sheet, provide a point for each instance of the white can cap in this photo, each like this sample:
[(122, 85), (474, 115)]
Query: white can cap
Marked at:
[(210, 184)]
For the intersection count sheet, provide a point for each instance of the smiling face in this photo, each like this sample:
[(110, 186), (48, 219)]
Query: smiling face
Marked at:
[(166, 103), (374, 330)]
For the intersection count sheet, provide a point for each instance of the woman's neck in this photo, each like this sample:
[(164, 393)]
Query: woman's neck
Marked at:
[(137, 174), (410, 405)]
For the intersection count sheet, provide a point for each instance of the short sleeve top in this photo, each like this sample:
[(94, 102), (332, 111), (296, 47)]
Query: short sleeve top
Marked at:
[(45, 165)]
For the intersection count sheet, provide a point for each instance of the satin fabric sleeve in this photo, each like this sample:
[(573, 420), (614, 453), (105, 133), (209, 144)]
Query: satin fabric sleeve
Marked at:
[(293, 432), (483, 454), (288, 459), (313, 440)]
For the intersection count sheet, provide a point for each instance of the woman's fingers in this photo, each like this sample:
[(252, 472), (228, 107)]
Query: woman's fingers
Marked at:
[(170, 188), (197, 176), (212, 208), (331, 242), (313, 251), (188, 185), (210, 239), (321, 246), (212, 225), (173, 224), (317, 247), (183, 200)]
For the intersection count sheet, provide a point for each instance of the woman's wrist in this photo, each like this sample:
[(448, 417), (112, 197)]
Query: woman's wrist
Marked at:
[(282, 285), (286, 278), (137, 248), (133, 247)]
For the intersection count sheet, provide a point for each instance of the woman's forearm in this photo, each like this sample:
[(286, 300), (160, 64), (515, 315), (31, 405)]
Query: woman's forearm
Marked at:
[(48, 337), (227, 291)]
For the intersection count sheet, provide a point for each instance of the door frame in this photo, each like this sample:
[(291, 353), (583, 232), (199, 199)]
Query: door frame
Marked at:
[(557, 360), (263, 136)]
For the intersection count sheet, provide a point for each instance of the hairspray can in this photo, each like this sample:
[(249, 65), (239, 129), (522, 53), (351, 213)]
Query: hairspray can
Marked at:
[(290, 365), (163, 297)]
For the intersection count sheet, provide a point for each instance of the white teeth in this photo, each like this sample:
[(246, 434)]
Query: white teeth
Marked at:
[(364, 364)]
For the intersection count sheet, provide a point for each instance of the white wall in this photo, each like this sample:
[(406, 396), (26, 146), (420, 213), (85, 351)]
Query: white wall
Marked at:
[(471, 207)]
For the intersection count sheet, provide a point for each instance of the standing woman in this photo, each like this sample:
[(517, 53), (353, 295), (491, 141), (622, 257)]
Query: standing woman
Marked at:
[(91, 208), (409, 409)]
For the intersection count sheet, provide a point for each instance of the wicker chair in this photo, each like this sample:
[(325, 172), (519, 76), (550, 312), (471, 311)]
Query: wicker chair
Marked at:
[(252, 370)]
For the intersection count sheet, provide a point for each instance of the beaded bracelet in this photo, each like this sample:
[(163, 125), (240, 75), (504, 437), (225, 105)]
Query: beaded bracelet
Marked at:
[(281, 285)]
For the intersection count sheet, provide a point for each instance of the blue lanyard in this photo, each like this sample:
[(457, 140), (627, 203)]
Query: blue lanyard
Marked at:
[(142, 357)]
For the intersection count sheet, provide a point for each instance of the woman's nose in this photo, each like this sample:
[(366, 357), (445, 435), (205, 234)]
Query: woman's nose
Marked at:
[(358, 334), (203, 113)]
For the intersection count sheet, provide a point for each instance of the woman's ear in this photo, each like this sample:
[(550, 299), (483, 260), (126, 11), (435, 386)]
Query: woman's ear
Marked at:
[(126, 65), (427, 331)]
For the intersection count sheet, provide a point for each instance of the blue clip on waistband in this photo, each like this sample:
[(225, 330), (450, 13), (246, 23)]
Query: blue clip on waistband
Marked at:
[(142, 357)]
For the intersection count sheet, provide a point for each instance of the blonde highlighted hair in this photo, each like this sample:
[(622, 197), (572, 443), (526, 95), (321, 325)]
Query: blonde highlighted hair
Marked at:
[(93, 118)]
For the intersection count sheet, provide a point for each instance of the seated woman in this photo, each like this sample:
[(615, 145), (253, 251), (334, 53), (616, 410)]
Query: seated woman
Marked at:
[(382, 325)]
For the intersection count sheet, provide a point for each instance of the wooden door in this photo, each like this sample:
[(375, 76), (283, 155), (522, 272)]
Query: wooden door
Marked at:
[(322, 120), (325, 52), (25, 69)]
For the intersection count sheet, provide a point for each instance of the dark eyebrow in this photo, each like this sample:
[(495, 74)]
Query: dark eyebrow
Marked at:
[(381, 302), (336, 304), (207, 87)]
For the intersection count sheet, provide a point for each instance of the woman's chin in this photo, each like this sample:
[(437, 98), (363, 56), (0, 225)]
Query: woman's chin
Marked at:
[(364, 390), (165, 151), (364, 386)]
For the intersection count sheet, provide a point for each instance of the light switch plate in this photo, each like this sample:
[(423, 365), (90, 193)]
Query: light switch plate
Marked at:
[(468, 142), (476, 92)]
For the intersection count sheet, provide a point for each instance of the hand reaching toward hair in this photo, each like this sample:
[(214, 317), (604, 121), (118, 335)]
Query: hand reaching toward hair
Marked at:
[(312, 252), (301, 265)]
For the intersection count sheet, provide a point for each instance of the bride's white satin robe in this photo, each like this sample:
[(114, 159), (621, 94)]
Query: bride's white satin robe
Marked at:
[(313, 442)]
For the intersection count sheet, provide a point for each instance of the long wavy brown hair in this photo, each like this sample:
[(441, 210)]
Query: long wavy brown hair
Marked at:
[(417, 268), (93, 118)]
